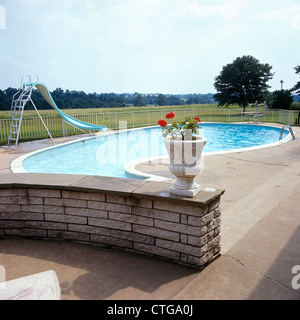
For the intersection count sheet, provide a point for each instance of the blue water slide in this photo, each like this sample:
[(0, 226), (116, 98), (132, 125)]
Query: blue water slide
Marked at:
[(72, 121)]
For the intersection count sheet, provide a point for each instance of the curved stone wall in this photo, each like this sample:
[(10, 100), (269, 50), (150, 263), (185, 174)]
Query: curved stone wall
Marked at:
[(138, 216)]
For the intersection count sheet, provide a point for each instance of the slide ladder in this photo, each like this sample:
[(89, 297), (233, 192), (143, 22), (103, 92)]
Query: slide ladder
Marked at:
[(24, 95), (17, 107)]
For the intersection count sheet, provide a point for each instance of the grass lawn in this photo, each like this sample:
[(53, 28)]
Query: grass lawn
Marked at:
[(33, 129), (73, 112)]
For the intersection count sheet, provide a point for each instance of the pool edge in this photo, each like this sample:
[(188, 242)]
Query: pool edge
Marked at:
[(130, 168)]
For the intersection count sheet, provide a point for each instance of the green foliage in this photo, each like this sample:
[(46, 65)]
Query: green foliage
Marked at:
[(242, 82), (161, 100), (186, 129), (139, 101), (295, 106), (281, 99), (80, 100), (296, 88)]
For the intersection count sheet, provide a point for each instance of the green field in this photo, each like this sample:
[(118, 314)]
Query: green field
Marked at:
[(32, 128), (73, 112)]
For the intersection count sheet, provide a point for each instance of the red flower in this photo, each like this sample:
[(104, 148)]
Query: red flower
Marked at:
[(162, 123), (198, 119), (170, 115)]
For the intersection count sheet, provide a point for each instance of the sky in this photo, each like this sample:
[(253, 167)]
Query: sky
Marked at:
[(145, 46)]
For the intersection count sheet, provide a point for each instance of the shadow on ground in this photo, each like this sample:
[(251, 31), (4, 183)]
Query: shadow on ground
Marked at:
[(91, 273)]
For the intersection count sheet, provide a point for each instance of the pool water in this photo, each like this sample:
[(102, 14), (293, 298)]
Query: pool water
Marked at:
[(107, 154)]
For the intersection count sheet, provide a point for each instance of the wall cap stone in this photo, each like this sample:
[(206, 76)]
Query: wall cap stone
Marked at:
[(125, 187)]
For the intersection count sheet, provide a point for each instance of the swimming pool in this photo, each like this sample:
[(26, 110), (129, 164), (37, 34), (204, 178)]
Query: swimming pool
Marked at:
[(107, 154)]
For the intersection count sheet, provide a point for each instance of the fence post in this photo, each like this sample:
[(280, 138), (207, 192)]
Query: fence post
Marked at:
[(63, 127), (132, 119)]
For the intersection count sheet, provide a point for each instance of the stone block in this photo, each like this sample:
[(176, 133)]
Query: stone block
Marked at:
[(13, 200), (185, 209), (180, 247), (130, 218), (85, 212), (46, 225), (26, 232), (104, 206), (157, 251), (66, 202), (22, 216), (204, 220), (200, 241), (89, 229), (10, 208), (157, 233), (105, 223), (65, 218), (157, 214), (32, 208), (83, 195), (54, 209), (131, 201), (8, 193), (68, 235), (35, 200), (136, 237), (44, 193), (112, 241), (12, 224), (180, 228)]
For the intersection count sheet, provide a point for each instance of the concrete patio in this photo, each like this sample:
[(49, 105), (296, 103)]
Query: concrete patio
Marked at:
[(260, 239)]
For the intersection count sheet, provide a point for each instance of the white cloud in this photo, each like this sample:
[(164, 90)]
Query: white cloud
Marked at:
[(228, 10), (296, 21)]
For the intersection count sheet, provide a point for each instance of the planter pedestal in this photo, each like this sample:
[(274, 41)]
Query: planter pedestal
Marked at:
[(183, 187)]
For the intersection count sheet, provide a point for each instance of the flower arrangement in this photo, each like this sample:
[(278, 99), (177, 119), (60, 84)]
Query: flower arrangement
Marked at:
[(187, 129)]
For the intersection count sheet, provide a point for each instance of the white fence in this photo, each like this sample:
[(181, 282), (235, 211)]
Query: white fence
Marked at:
[(32, 128)]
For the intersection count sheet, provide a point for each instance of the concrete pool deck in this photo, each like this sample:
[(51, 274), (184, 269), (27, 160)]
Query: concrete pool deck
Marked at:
[(260, 239)]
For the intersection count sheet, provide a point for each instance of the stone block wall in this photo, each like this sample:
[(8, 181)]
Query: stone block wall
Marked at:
[(145, 220)]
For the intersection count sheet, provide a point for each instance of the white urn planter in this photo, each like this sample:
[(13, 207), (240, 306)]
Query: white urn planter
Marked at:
[(185, 163)]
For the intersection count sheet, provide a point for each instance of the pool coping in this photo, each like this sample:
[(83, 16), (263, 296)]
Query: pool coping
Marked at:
[(131, 167)]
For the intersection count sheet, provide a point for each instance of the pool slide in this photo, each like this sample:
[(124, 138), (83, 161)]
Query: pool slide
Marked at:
[(72, 121)]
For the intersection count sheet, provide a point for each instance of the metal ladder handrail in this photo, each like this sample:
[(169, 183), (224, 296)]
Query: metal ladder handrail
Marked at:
[(25, 93), (291, 132), (18, 105)]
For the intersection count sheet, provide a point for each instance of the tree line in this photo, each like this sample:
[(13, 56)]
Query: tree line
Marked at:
[(66, 99)]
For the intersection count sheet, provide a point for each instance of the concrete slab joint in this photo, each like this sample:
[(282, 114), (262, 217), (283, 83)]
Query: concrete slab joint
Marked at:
[(141, 217)]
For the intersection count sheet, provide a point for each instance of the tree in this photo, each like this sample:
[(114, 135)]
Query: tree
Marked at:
[(296, 88), (242, 82), (281, 99), (3, 101), (161, 100), (139, 101)]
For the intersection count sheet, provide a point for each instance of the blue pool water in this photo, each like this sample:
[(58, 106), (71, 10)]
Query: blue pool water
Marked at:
[(106, 155)]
